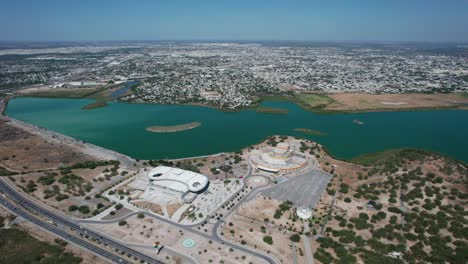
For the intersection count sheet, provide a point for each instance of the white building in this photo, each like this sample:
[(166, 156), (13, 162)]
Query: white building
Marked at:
[(175, 182), (283, 157)]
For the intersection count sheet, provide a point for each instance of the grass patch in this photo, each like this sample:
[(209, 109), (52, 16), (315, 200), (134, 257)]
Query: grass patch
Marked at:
[(310, 131), (375, 157), (18, 247), (64, 93), (272, 110), (312, 101)]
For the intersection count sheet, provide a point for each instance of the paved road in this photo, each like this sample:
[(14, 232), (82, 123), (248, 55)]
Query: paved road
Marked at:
[(26, 204), (192, 228), (59, 232), (186, 259), (214, 236), (218, 224), (307, 247)]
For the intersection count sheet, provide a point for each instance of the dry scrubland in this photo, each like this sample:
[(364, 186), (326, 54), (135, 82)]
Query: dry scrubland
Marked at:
[(349, 102), (57, 174), (406, 201), (76, 189), (22, 151), (258, 219)]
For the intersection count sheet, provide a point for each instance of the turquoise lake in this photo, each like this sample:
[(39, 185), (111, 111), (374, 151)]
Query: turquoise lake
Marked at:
[(122, 127)]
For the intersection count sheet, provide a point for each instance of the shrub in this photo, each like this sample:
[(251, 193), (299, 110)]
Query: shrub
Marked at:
[(268, 240), (344, 188), (295, 238), (84, 209)]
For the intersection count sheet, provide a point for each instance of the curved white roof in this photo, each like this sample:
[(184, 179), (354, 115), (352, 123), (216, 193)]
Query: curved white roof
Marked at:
[(178, 179)]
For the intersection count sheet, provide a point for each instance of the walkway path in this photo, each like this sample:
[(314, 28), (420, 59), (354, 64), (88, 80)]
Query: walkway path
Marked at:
[(307, 246)]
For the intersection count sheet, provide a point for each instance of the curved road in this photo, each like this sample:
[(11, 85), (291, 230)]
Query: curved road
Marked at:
[(191, 228), (25, 203)]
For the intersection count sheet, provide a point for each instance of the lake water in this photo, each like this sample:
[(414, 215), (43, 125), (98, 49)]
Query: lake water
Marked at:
[(121, 127)]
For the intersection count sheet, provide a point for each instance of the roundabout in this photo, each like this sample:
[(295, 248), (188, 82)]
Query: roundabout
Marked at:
[(257, 181), (188, 243)]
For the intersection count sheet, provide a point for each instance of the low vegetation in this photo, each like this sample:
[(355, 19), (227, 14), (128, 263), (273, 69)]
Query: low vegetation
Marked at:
[(410, 202), (18, 247), (312, 101)]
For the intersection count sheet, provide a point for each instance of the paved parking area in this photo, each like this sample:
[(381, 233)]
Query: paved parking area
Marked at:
[(304, 190)]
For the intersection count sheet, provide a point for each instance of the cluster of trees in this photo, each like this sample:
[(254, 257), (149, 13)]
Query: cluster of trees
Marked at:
[(285, 206), (91, 164), (82, 209), (422, 191)]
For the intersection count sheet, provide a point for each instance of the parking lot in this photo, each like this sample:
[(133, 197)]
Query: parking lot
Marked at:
[(303, 190)]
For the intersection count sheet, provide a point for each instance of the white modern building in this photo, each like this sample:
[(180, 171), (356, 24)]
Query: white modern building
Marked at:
[(175, 182)]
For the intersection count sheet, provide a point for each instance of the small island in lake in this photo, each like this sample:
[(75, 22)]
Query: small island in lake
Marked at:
[(310, 131), (272, 110), (176, 128), (93, 105)]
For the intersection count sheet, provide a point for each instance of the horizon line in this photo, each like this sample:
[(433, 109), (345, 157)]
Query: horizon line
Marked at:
[(239, 40)]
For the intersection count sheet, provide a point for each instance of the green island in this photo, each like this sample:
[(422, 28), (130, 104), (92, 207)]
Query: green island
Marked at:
[(93, 105), (176, 128), (272, 110), (310, 131)]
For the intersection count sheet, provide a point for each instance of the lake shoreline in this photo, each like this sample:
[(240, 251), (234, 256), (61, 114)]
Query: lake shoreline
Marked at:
[(321, 108), (344, 138)]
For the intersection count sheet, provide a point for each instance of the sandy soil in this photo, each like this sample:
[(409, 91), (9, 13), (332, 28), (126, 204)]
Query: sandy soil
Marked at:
[(148, 230), (172, 208), (155, 208), (247, 224), (362, 102), (22, 151)]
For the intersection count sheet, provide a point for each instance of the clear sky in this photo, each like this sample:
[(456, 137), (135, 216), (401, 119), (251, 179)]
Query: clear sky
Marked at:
[(311, 20)]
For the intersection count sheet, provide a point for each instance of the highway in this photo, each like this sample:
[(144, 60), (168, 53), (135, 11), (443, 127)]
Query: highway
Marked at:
[(34, 207), (25, 204)]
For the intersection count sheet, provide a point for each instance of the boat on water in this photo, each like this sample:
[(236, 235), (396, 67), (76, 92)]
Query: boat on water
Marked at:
[(358, 122)]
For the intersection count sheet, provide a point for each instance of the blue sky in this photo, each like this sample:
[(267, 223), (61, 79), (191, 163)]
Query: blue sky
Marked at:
[(312, 20)]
